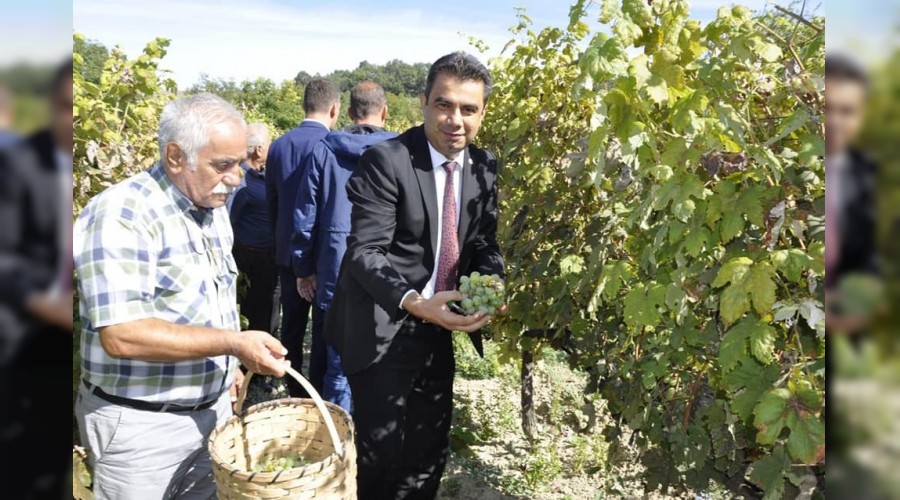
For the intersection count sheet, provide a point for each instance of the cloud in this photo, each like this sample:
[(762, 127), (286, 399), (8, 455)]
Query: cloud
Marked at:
[(246, 40)]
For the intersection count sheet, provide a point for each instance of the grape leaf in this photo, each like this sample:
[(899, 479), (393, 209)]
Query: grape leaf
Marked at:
[(768, 473), (749, 283), (734, 342), (642, 303), (748, 382), (791, 263), (795, 407)]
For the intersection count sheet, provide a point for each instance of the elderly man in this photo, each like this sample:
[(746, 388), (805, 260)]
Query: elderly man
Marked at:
[(254, 241), (160, 340), (322, 217)]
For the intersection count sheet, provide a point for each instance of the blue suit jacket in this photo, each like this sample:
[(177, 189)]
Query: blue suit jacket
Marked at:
[(283, 175), (322, 212)]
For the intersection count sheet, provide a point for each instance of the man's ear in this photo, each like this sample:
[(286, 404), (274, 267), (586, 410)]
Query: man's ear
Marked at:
[(422, 101), (175, 160), (384, 113)]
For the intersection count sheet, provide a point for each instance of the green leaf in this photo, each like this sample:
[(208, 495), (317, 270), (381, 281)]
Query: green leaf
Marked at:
[(760, 285), (762, 344), (749, 284), (642, 304), (734, 342), (571, 264), (627, 32), (769, 52), (639, 69), (732, 272), (747, 383), (696, 241), (796, 407), (657, 89), (769, 473), (770, 416), (792, 263)]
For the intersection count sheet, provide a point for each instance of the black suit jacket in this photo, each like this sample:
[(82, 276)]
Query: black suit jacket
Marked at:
[(859, 252), (392, 241), (29, 231)]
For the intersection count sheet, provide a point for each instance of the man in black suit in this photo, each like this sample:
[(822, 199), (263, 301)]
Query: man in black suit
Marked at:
[(850, 178), (424, 214), (36, 298)]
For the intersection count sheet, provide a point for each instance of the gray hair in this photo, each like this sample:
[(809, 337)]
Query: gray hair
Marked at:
[(257, 135), (187, 121)]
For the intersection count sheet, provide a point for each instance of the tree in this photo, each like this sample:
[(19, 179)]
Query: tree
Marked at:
[(94, 55)]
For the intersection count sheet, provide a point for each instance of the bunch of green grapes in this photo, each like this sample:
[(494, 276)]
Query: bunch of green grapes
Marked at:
[(483, 293), (278, 464)]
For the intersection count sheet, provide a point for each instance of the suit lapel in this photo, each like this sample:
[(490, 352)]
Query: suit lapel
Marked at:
[(467, 204), (421, 162)]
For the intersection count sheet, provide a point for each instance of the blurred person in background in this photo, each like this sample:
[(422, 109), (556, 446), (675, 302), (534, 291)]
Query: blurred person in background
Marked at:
[(7, 112), (160, 338), (322, 217), (851, 258), (36, 296), (254, 241), (321, 106)]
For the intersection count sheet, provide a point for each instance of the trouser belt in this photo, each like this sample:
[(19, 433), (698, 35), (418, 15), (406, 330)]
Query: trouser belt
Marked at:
[(145, 405)]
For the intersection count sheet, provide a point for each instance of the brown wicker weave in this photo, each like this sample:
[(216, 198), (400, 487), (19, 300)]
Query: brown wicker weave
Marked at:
[(322, 432)]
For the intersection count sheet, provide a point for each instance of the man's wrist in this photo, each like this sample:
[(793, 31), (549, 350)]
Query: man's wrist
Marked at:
[(410, 302)]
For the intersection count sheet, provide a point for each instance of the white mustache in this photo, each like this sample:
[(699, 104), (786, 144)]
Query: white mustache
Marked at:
[(222, 188)]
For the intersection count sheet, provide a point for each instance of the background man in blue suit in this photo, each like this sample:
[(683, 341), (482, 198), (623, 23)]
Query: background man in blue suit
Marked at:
[(322, 217), (321, 104)]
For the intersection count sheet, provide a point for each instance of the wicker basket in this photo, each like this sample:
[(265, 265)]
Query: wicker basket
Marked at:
[(322, 432)]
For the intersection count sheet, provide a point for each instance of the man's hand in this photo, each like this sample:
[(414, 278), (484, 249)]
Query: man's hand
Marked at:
[(236, 388), (260, 352), (306, 287), (435, 310), (53, 310)]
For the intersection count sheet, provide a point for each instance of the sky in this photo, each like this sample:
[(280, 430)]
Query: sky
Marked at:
[(275, 39), (35, 31), (867, 29)]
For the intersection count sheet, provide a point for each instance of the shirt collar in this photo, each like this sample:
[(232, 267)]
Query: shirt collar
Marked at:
[(315, 121), (438, 158), (203, 216)]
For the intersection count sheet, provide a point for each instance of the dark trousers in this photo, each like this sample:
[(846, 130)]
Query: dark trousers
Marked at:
[(294, 317), (33, 391), (402, 410), (259, 303)]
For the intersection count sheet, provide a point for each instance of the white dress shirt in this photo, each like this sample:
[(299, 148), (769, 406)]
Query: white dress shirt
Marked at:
[(440, 180)]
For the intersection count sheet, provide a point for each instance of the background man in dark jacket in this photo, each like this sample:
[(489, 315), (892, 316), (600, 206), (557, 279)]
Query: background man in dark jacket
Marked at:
[(36, 298), (322, 217), (254, 241), (321, 104), (424, 214), (850, 177)]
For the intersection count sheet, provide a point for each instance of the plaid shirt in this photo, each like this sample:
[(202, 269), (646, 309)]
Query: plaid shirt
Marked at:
[(143, 250)]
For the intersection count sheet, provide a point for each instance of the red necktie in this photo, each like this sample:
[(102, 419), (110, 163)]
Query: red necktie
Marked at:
[(448, 262), (832, 223)]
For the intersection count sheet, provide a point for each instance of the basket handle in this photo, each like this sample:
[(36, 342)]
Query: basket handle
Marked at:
[(320, 405)]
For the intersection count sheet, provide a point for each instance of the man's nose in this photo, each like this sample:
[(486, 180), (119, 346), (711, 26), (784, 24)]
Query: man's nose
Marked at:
[(233, 179), (455, 117)]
